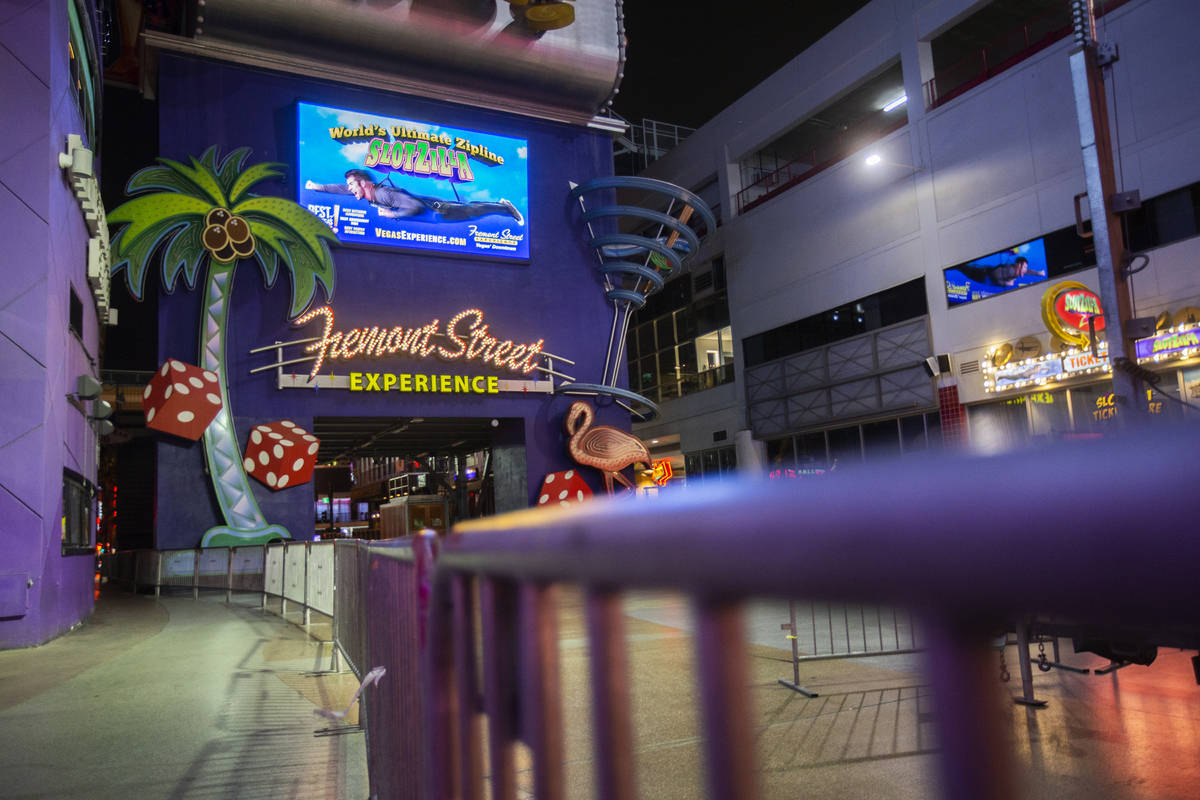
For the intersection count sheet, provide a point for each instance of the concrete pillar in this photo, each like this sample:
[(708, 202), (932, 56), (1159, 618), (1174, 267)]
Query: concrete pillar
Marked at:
[(511, 483)]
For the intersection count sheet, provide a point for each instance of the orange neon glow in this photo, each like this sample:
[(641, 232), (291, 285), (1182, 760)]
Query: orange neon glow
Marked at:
[(661, 471), (468, 342)]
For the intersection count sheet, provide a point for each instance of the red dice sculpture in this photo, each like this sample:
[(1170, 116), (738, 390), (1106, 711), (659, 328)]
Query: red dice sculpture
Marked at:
[(181, 399), (563, 489), (281, 454)]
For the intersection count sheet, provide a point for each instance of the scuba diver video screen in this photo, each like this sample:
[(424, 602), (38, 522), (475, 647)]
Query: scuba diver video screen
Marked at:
[(385, 181), (997, 273)]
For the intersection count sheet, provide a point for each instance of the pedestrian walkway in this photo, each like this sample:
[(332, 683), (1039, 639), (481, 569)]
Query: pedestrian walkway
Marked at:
[(175, 698)]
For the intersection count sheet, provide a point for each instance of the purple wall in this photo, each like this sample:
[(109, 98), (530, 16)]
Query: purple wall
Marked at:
[(557, 296), (44, 253)]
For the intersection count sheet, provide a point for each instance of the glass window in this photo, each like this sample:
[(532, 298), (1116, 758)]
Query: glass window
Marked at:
[(997, 427), (780, 454), (78, 516), (933, 430), (845, 445), (727, 457), (810, 450), (1048, 414), (664, 327), (645, 340), (692, 465), (712, 463), (912, 434), (881, 439)]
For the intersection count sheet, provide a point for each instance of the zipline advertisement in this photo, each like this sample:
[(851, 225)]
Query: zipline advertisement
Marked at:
[(392, 182)]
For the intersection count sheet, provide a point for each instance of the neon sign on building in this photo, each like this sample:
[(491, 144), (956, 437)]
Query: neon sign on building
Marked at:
[(466, 333)]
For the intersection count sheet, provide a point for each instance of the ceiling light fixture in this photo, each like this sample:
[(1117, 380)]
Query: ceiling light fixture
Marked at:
[(899, 101)]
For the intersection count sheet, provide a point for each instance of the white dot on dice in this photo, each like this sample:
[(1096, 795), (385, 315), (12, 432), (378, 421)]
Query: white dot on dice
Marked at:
[(283, 481), (298, 465), (270, 478), (278, 451), (194, 381), (248, 464), (185, 416), (263, 458), (212, 398), (182, 388), (255, 437)]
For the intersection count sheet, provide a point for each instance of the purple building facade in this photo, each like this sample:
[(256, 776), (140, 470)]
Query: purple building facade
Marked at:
[(49, 320)]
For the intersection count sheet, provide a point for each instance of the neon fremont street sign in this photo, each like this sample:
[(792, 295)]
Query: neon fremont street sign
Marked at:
[(464, 338)]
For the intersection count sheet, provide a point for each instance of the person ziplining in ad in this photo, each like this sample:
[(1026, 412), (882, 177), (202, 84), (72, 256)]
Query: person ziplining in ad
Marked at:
[(393, 202)]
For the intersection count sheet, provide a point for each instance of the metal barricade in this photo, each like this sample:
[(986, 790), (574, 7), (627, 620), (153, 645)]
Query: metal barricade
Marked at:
[(350, 604), (397, 590), (212, 568), (177, 569), (319, 578), (246, 568), (295, 564), (273, 571), (823, 631)]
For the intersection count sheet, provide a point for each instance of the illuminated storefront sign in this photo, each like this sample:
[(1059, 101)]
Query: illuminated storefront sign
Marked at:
[(1067, 308), (1044, 370), (1106, 406), (1171, 344), (662, 471), (464, 338)]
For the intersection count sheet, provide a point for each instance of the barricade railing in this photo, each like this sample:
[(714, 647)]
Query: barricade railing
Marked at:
[(824, 631), (916, 539)]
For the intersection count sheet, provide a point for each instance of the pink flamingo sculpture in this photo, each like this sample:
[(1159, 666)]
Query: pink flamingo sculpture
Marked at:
[(608, 449)]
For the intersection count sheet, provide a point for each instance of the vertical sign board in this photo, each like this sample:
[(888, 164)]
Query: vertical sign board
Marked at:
[(418, 185)]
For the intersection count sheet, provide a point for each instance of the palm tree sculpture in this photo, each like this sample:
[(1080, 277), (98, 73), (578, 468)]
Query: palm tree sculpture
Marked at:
[(206, 209)]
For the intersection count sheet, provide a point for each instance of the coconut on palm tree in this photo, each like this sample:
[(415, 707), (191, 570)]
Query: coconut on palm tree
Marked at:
[(204, 214)]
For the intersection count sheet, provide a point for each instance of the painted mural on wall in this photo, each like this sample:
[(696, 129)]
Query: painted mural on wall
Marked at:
[(204, 220), (391, 182)]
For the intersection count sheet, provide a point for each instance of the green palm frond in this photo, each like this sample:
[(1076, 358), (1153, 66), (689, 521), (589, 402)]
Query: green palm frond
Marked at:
[(132, 253), (230, 170), (185, 252), (279, 242), (165, 179), (252, 175), (150, 209), (202, 177), (308, 228)]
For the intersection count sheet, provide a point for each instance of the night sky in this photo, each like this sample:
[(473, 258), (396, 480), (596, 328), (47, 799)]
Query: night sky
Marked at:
[(688, 61)]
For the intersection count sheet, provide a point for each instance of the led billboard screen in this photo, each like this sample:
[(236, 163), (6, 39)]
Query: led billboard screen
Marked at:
[(392, 182), (997, 273)]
